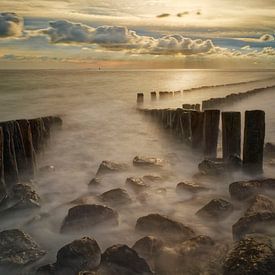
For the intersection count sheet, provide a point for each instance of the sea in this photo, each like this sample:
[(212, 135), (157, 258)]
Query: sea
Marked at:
[(101, 122)]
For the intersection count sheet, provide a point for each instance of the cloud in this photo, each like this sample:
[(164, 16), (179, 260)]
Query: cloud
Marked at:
[(121, 38), (10, 24), (163, 15)]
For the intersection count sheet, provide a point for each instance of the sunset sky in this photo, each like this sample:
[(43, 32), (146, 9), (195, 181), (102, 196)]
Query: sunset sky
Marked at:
[(137, 34)]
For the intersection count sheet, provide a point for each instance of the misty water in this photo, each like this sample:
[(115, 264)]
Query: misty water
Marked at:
[(100, 122)]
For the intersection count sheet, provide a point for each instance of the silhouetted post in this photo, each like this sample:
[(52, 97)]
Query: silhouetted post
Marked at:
[(197, 129), (185, 125), (28, 145), (153, 96), (231, 134), (254, 135), (2, 180), (140, 98), (211, 132)]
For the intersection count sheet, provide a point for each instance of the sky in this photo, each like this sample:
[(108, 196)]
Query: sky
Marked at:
[(144, 34)]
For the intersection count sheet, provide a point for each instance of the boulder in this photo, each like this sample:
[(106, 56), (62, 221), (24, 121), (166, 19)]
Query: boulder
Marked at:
[(110, 166), (79, 255), (122, 260), (148, 247), (216, 209), (87, 216), (49, 269), (259, 204), (22, 196), (262, 222), (195, 246), (136, 184), (212, 167), (115, 197), (190, 187), (141, 161), (242, 190), (18, 249), (163, 227), (250, 256)]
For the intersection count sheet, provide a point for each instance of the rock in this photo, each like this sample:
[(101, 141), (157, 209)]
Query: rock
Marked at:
[(242, 190), (148, 247), (23, 196), (164, 227), (49, 269), (46, 169), (18, 249), (148, 161), (122, 260), (269, 149), (109, 167), (136, 184), (250, 256), (190, 187), (216, 209), (262, 222), (115, 197), (95, 182), (79, 255), (212, 167), (259, 204), (87, 216), (197, 245), (152, 178)]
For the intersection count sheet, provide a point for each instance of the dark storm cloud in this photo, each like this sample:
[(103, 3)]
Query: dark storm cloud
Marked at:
[(10, 24)]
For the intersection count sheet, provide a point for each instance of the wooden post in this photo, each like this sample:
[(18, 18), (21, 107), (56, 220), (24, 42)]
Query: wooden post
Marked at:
[(185, 124), (197, 129), (153, 96), (10, 164), (211, 132), (254, 135), (3, 191), (231, 134), (140, 98)]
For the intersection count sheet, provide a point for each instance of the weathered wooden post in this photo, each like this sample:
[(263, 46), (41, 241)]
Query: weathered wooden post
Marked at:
[(3, 191), (254, 135), (197, 119), (153, 96), (231, 134), (185, 123), (140, 98), (211, 132)]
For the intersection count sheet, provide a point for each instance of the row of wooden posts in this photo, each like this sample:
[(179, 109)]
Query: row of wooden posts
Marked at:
[(200, 129), (20, 141)]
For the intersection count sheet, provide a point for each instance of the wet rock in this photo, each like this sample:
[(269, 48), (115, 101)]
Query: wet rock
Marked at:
[(158, 225), (216, 209), (122, 260), (115, 197), (242, 190), (212, 167), (197, 245), (148, 161), (110, 166), (94, 182), (152, 178), (49, 269), (269, 149), (190, 187), (262, 222), (79, 255), (148, 247), (18, 249), (23, 196), (136, 184), (259, 204), (87, 216), (46, 169), (250, 256)]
